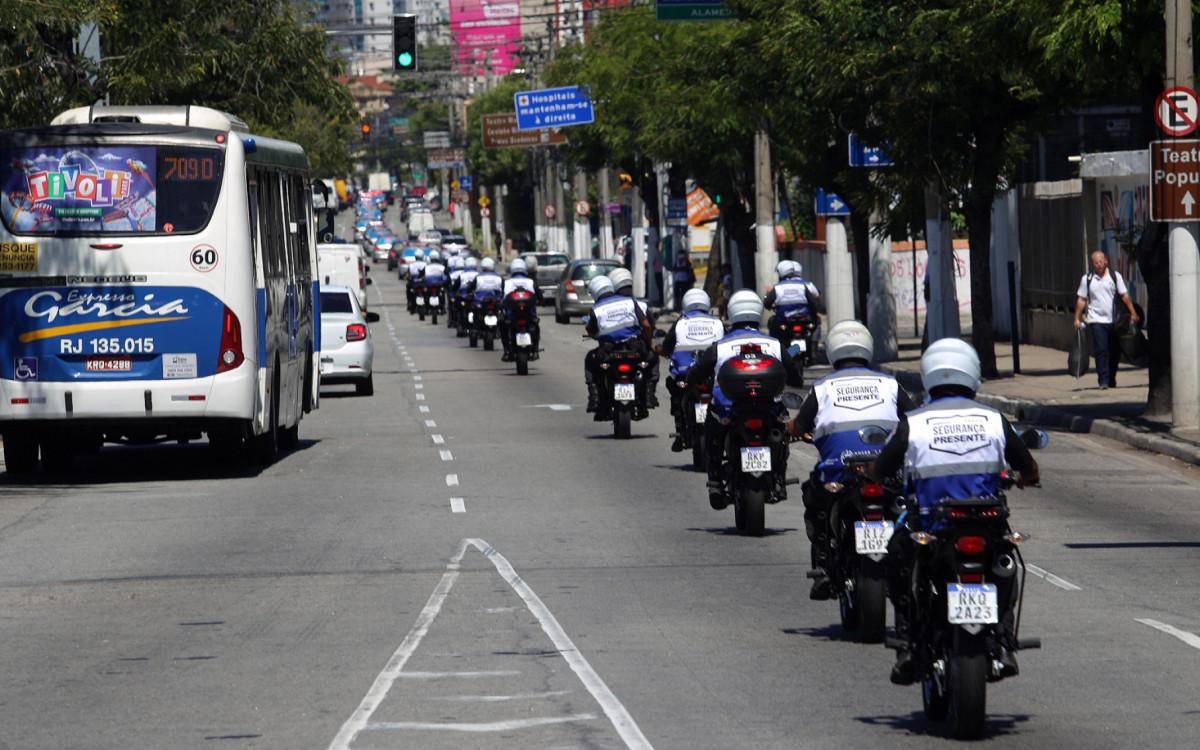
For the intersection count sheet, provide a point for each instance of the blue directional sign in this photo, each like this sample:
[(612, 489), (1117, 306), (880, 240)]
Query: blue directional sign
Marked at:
[(465, 182), (862, 155), (828, 204), (554, 108)]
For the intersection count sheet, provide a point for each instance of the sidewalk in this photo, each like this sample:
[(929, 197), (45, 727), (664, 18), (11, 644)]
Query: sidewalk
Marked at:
[(1045, 394)]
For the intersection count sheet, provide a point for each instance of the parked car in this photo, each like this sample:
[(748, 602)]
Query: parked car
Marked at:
[(571, 296), (347, 352), (550, 267)]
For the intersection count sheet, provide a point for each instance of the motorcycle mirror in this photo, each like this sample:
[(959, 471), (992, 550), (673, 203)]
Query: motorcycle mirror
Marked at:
[(791, 400), (372, 317), (1034, 438), (872, 434)]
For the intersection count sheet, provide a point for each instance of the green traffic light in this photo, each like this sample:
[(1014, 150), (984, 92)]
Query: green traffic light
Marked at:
[(405, 59)]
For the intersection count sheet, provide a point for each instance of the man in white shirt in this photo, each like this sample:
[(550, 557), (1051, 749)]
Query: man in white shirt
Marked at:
[(1097, 292)]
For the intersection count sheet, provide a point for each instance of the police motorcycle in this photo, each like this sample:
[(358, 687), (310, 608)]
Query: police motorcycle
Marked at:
[(433, 279), (967, 589), (862, 518), (692, 332), (484, 316), (462, 300), (522, 327), (795, 329), (415, 287), (689, 422), (756, 443)]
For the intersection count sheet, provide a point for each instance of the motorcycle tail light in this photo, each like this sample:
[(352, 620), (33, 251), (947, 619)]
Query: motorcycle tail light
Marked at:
[(971, 578), (798, 329), (989, 513), (970, 545), (754, 424), (872, 516), (624, 367), (957, 513), (834, 487), (922, 537), (871, 490), (704, 387), (522, 322), (754, 443)]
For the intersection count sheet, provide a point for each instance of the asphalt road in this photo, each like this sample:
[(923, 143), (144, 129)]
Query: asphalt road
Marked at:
[(465, 559)]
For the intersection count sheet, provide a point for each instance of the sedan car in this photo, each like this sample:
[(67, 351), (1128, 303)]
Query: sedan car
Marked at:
[(571, 296), (548, 268), (347, 351)]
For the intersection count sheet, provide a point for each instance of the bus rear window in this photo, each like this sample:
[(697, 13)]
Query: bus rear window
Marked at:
[(109, 189)]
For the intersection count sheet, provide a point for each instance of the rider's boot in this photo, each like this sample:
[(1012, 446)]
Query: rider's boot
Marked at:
[(593, 398)]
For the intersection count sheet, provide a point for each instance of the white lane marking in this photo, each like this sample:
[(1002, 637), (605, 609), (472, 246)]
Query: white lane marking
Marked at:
[(413, 369), (383, 683), (451, 480), (1051, 578), (416, 377), (457, 505), (430, 423), (420, 396), (419, 386), (446, 455), (438, 439), (551, 407), (616, 712), (424, 409), (499, 698), (490, 726), (1189, 638)]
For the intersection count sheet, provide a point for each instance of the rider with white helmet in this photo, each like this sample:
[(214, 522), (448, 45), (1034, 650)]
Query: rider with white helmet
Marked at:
[(622, 281), (519, 279), (952, 447), (792, 298), (693, 332), (831, 415), (615, 321)]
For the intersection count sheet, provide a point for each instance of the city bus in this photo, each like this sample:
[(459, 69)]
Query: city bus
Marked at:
[(158, 282)]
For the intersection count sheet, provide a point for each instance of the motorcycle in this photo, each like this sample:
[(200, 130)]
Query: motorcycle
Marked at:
[(756, 443), (486, 322), (797, 337), (459, 312), (689, 421), (862, 517), (622, 374), (521, 307), (433, 300), (419, 299), (967, 587)]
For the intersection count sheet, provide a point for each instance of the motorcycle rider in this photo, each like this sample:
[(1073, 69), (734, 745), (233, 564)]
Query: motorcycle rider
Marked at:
[(622, 281), (519, 279), (690, 334), (413, 270), (954, 447), (792, 297), (745, 317), (614, 320), (434, 272), (487, 282), (836, 407)]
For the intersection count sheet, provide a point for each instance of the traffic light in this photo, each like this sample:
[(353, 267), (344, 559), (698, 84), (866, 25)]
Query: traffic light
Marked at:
[(366, 132), (404, 42)]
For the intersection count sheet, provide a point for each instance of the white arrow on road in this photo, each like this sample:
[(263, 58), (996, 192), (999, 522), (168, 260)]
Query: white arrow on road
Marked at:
[(1188, 201)]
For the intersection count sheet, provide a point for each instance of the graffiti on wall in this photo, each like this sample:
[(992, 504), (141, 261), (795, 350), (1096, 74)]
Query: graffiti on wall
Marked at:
[(904, 273), (1124, 208)]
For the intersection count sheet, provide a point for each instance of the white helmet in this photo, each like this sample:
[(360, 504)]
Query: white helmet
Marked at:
[(849, 339), (797, 269), (621, 278), (600, 285), (455, 262), (434, 255), (488, 264), (517, 266), (471, 262), (419, 254), (696, 299), (784, 269), (950, 361), (745, 307)]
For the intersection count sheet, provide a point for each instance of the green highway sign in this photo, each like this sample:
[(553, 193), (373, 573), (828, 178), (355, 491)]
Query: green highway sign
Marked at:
[(692, 10)]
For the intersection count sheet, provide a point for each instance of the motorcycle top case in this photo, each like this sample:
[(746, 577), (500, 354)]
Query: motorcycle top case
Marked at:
[(752, 375), (520, 302)]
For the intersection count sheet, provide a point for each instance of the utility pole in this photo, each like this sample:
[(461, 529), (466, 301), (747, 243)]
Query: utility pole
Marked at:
[(766, 256), (1182, 248)]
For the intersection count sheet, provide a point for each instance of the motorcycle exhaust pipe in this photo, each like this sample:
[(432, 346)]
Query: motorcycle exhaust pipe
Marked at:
[(1004, 566)]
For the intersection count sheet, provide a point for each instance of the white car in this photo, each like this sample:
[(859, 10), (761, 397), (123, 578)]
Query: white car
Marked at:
[(347, 351), (431, 238)]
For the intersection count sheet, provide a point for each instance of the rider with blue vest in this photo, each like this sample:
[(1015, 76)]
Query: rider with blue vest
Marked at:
[(487, 283), (519, 280), (953, 447), (614, 321), (622, 281), (837, 406), (690, 334), (793, 297), (745, 316)]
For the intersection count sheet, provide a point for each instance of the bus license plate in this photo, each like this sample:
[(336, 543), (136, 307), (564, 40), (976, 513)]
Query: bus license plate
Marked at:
[(490, 320), (524, 339), (701, 412), (871, 537), (624, 392), (756, 459), (108, 364), (971, 603)]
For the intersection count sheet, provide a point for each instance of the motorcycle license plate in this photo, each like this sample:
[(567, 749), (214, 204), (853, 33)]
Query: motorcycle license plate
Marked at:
[(490, 320), (871, 537), (756, 459), (435, 300), (420, 300), (701, 413), (971, 603), (524, 339), (803, 344), (624, 392), (470, 317)]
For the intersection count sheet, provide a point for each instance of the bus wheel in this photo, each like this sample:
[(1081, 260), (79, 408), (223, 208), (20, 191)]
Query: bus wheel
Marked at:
[(20, 452)]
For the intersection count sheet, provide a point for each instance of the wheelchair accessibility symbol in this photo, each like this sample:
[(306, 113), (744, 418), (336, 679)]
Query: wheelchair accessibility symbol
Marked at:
[(27, 368)]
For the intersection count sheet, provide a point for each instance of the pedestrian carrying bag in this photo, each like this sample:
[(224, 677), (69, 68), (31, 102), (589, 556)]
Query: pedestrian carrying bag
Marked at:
[(1077, 356)]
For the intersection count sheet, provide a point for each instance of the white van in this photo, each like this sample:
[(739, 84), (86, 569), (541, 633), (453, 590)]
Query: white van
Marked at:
[(341, 264), (418, 222)]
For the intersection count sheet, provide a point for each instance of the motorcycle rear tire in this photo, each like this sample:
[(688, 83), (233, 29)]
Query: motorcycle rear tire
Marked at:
[(433, 316), (489, 341), (749, 510), (473, 338), (968, 694), (421, 314), (621, 420), (522, 358), (699, 462), (871, 593)]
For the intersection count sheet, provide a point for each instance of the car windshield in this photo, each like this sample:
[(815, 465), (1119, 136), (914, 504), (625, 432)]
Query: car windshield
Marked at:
[(548, 259), (588, 271), (336, 302)]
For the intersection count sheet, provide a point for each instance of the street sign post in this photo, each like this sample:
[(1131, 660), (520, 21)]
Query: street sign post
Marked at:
[(554, 108), (829, 204), (692, 10), (1174, 180), (500, 131), (862, 155), (465, 182), (1176, 111), (445, 158)]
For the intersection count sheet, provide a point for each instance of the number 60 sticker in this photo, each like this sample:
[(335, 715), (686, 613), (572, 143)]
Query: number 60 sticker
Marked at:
[(204, 258)]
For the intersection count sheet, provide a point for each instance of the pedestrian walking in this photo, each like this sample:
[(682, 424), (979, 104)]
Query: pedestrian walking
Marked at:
[(1100, 290)]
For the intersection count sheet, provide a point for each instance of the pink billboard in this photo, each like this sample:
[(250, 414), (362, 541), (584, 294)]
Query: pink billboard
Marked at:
[(483, 26)]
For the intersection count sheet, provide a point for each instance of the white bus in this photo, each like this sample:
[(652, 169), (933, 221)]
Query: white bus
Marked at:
[(158, 282)]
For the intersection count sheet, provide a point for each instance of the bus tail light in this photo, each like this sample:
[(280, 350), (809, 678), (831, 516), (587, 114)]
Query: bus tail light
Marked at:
[(231, 343)]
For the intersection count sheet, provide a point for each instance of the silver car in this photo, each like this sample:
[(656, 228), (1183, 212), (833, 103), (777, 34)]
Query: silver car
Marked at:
[(571, 297), (549, 268), (347, 352)]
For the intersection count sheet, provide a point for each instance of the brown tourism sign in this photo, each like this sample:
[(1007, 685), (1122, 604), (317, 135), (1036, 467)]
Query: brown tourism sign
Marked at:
[(1175, 180), (500, 131)]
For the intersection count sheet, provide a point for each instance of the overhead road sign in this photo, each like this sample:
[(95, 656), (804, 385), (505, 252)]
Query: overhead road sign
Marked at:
[(862, 155), (500, 131), (677, 214), (437, 139), (829, 204), (1176, 111), (553, 108), (692, 10), (1174, 180), (445, 158)]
